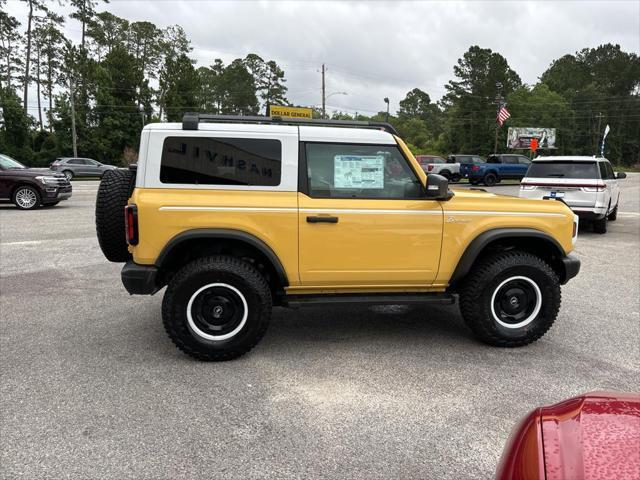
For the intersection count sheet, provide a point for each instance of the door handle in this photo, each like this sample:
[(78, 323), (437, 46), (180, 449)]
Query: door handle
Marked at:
[(322, 219)]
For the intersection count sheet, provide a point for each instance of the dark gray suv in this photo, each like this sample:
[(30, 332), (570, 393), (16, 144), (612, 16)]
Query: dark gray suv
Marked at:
[(80, 167)]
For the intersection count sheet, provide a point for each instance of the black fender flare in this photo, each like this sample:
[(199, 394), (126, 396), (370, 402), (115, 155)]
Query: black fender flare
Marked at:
[(225, 234), (478, 244)]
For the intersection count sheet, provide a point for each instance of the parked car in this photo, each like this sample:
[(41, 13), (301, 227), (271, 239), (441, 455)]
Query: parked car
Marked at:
[(80, 167), (29, 188), (588, 185), (435, 164), (497, 167), (243, 214), (466, 162), (595, 436)]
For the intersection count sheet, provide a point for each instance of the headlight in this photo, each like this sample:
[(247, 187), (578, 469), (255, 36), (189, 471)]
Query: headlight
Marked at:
[(47, 180)]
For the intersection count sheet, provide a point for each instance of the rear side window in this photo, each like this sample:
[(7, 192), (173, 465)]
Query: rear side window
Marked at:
[(221, 161), (610, 173), (587, 170)]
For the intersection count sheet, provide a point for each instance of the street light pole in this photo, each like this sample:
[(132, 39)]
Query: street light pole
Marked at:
[(386, 100)]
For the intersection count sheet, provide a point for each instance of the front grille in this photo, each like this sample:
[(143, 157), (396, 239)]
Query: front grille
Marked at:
[(60, 181)]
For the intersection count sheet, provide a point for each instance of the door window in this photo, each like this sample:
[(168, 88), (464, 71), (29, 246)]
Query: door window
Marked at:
[(359, 171), (510, 159)]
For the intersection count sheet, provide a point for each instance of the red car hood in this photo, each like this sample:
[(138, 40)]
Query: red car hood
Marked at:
[(593, 437)]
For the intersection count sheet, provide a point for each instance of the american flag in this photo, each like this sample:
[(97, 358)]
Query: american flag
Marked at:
[(503, 114)]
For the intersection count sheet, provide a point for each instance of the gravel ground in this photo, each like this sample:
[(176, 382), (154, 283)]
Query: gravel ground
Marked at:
[(91, 387)]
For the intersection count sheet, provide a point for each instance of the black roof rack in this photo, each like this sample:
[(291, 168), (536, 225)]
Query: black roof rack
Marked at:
[(190, 121)]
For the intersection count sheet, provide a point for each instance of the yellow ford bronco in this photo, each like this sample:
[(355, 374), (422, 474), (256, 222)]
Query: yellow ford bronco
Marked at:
[(238, 214)]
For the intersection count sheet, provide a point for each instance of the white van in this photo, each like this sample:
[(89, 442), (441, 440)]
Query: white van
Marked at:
[(588, 185)]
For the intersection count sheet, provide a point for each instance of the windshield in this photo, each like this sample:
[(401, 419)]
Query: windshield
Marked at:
[(563, 170), (7, 162)]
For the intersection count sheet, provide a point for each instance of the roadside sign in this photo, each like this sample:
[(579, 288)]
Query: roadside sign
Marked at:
[(521, 137), (290, 112), (533, 145)]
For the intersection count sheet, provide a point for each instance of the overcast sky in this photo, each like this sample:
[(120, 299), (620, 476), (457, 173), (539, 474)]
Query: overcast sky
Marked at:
[(381, 49)]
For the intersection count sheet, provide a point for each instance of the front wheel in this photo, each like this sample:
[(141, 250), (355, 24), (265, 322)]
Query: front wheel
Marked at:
[(217, 308), (510, 299), (26, 198)]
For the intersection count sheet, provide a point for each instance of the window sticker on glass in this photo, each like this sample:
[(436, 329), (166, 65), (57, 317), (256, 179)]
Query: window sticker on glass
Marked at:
[(356, 171)]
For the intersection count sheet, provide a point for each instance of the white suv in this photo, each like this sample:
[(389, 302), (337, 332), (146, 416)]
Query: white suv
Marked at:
[(588, 185)]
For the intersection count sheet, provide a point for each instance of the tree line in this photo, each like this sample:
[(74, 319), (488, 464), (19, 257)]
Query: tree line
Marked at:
[(122, 75)]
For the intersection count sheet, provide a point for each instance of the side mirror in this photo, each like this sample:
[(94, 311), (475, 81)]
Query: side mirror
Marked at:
[(621, 175), (437, 187)]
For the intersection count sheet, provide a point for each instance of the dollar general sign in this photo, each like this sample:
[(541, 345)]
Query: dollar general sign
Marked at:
[(290, 112)]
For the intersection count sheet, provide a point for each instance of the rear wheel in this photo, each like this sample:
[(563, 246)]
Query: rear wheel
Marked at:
[(613, 216), (600, 226), (26, 198), (68, 174), (217, 308), (490, 179), (446, 174), (510, 299)]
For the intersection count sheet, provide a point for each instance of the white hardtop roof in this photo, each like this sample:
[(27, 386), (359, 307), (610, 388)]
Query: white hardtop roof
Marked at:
[(569, 158), (307, 133)]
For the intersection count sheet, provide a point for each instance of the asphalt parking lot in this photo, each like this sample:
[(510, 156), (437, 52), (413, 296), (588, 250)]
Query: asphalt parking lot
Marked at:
[(91, 387)]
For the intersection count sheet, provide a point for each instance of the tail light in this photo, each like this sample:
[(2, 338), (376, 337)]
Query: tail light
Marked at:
[(131, 224), (429, 168), (475, 168)]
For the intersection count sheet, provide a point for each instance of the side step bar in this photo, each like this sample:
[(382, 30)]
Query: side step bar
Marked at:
[(373, 299)]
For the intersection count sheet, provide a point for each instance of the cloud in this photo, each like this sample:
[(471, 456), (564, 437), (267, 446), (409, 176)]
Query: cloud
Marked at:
[(383, 49)]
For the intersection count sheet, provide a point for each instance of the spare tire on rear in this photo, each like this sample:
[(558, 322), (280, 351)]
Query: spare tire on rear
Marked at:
[(115, 189)]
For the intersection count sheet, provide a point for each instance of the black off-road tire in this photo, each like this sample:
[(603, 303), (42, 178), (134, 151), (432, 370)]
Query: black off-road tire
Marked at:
[(600, 226), (216, 270), (114, 191), (613, 216), (485, 278), (446, 174), (490, 179)]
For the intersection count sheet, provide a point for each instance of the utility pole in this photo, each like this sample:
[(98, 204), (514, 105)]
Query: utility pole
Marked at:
[(73, 118), (599, 117), (323, 98)]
